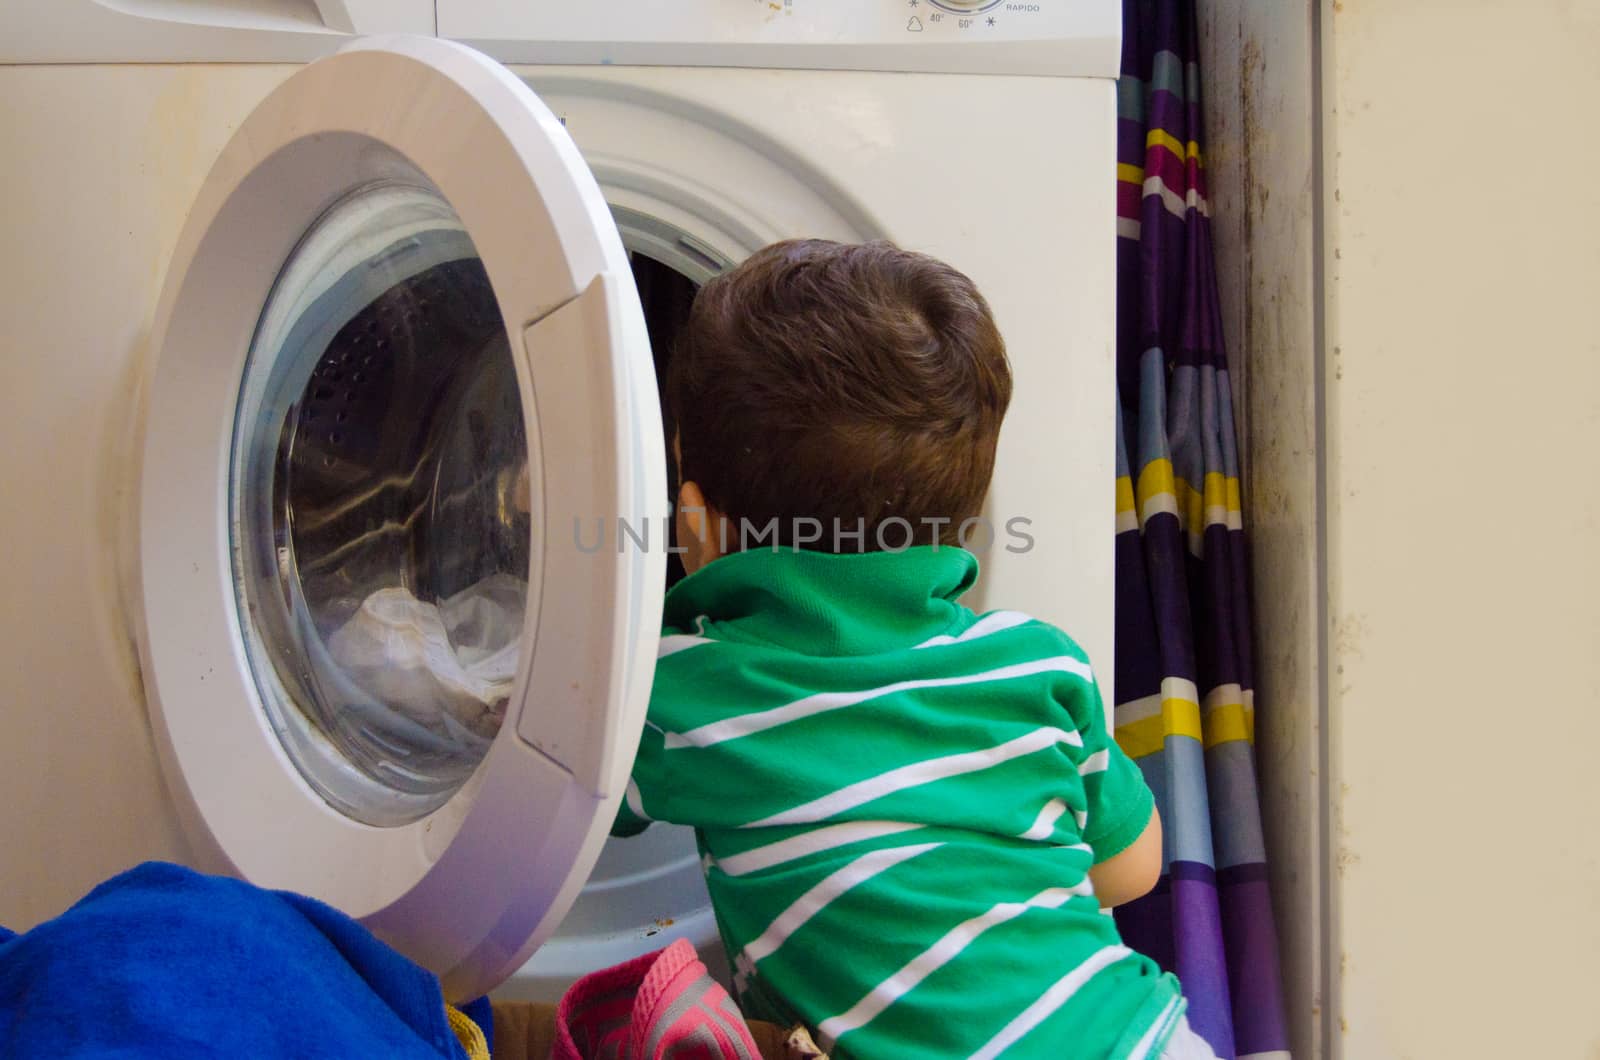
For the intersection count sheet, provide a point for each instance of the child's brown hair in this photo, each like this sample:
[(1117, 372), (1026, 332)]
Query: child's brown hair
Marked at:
[(847, 383)]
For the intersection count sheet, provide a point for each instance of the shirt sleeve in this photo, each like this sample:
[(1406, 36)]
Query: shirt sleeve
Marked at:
[(643, 801), (628, 822), (1119, 801)]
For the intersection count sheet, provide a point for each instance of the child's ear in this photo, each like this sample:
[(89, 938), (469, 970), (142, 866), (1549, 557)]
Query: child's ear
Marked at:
[(692, 509), (699, 528)]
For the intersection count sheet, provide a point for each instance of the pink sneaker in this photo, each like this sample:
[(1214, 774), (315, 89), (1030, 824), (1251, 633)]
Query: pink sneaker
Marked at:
[(662, 1006)]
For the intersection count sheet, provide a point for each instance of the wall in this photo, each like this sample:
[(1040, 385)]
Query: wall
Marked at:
[(1259, 60), (1462, 255), (1256, 57), (1405, 289)]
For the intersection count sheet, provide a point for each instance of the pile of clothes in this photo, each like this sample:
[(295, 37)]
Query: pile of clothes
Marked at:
[(162, 961)]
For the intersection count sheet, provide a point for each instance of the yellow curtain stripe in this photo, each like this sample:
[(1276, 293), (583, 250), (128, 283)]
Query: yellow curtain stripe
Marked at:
[(1155, 479), (1216, 491), (1130, 174), (1124, 494), (1181, 717), (1178, 717), (1171, 143), (1220, 491), (1228, 722)]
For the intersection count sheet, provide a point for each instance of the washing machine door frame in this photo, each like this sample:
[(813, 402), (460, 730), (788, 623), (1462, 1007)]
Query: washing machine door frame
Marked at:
[(470, 889)]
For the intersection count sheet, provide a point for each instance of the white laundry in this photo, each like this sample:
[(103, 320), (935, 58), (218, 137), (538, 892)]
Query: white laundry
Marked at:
[(454, 661)]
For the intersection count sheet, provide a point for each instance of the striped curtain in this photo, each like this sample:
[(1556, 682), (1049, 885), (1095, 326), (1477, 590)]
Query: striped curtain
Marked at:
[(1184, 706)]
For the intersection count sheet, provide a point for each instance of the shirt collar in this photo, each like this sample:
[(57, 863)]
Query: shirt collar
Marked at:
[(821, 603)]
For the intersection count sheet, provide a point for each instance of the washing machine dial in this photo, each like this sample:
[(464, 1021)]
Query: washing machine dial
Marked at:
[(965, 7)]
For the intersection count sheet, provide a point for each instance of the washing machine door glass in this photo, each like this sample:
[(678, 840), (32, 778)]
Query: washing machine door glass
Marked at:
[(382, 509), (400, 360)]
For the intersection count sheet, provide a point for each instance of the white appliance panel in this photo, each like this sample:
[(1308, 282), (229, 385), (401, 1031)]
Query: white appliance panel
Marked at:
[(97, 31), (1057, 37), (1079, 38)]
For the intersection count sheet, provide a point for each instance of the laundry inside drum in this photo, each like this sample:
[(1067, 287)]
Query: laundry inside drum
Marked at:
[(383, 506)]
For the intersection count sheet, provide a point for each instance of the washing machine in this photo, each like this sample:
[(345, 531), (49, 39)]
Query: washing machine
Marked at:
[(337, 499)]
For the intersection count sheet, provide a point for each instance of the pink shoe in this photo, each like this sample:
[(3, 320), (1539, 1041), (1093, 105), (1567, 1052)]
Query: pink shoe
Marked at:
[(662, 1006)]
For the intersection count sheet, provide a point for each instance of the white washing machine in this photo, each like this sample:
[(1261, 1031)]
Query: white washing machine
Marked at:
[(319, 381)]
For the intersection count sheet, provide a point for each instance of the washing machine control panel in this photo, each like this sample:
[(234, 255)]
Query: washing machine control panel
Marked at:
[(1070, 38)]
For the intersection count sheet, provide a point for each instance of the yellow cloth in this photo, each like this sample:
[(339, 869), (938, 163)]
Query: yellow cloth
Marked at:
[(468, 1033)]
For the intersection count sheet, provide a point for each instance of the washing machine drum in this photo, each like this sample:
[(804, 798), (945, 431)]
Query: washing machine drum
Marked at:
[(384, 509), (400, 355)]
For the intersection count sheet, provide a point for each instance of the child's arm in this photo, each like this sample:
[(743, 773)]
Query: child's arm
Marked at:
[(1122, 824), (1130, 874)]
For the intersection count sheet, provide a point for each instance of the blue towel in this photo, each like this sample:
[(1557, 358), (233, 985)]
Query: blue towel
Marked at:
[(165, 962)]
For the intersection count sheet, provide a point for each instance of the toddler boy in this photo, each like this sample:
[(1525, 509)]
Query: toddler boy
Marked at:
[(910, 815)]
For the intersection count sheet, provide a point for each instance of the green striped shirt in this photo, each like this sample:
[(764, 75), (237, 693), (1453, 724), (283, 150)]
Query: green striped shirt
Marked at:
[(898, 802)]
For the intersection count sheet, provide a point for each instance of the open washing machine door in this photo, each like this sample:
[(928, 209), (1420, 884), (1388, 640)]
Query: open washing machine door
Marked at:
[(403, 382)]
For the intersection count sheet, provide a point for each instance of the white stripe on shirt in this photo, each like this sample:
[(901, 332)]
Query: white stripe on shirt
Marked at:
[(820, 703), (812, 842), (1051, 1000), (1144, 1048), (676, 642), (992, 623), (635, 801), (1045, 823), (817, 899), (918, 773), (935, 957), (1095, 763)]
